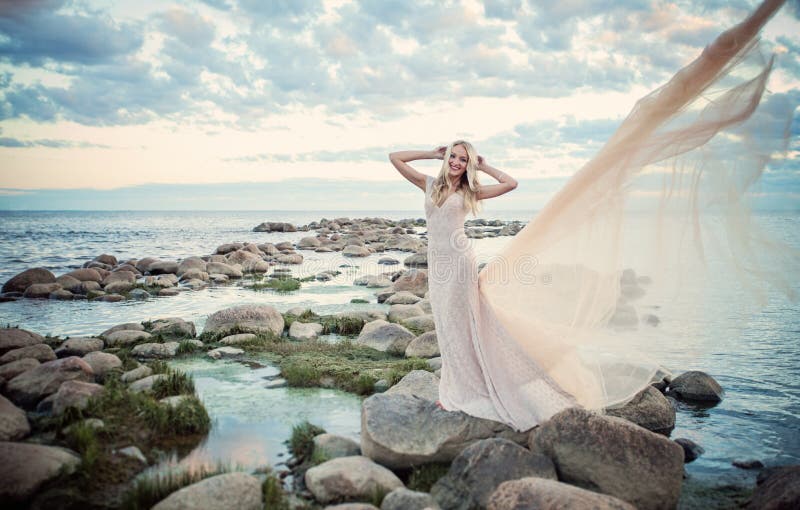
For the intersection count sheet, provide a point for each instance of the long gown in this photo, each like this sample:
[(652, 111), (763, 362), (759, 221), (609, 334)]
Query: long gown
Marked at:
[(529, 334)]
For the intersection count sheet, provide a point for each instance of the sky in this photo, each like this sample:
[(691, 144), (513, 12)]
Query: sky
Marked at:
[(289, 104)]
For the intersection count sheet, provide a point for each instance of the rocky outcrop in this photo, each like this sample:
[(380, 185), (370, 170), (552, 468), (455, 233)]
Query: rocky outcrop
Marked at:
[(349, 478), (228, 491), (540, 493)]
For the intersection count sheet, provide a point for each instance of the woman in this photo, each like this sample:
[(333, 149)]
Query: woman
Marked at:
[(529, 335)]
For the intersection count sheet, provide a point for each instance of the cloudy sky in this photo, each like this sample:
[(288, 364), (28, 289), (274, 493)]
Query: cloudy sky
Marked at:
[(200, 101)]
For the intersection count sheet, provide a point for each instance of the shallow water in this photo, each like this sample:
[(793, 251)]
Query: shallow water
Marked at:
[(754, 357)]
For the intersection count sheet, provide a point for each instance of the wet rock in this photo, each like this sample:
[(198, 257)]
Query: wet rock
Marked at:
[(61, 295), (102, 362), (156, 350), (405, 499), (481, 467), (378, 282), (349, 478), (398, 313), (139, 294), (388, 261), (125, 337), (385, 336), (403, 298), (163, 267), (194, 274), (14, 368), (173, 328), (27, 467), (228, 491), (23, 280), (697, 386), (273, 226), (110, 298), (422, 323), (136, 374), (39, 352), (276, 383), (31, 386), (649, 409), (332, 446), (778, 488), (191, 264), (304, 330), (118, 287), (168, 292), (691, 450), (74, 394), (540, 493), (86, 275), (612, 456), (107, 259), (79, 346), (119, 276), (15, 338), (245, 319), (353, 250), (748, 464), (238, 339), (13, 421), (128, 326), (424, 346), (145, 384), (401, 431), (224, 352), (224, 269), (41, 290), (69, 283), (414, 281), (419, 383)]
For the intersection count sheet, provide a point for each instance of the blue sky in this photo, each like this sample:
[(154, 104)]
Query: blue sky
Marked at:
[(226, 104)]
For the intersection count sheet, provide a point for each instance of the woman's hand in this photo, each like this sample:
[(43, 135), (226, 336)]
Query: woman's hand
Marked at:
[(439, 152), (481, 162)]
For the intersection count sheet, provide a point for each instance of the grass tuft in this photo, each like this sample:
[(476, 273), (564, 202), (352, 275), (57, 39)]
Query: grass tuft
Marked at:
[(423, 477), (175, 383), (277, 284), (273, 493), (147, 491), (187, 347), (342, 325), (301, 442), (83, 439)]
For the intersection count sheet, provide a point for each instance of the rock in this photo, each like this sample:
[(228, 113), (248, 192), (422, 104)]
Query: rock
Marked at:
[(422, 323), (27, 467), (380, 386), (308, 243), (304, 330), (351, 506), (13, 369), (238, 339), (414, 281), (74, 394), (39, 352), (649, 409), (280, 382), (69, 283), (349, 478), (92, 423), (163, 267), (25, 279), (224, 269), (31, 386), (119, 276), (85, 275), (398, 313), (132, 452), (110, 298), (105, 258), (401, 431), (273, 226), (245, 319), (419, 383), (13, 421), (388, 261), (424, 346), (612, 456), (691, 450), (128, 326), (155, 350), (168, 292), (748, 464), (378, 282), (145, 384), (194, 274), (191, 264), (697, 386), (41, 290), (79, 347), (417, 260), (139, 294), (332, 446), (136, 374), (403, 298), (405, 499), (352, 250), (61, 295), (228, 491), (118, 287), (173, 328), (364, 315), (540, 493), (102, 362), (15, 338), (241, 256), (481, 467), (385, 336), (778, 488), (175, 400), (224, 352), (125, 337), (143, 265)]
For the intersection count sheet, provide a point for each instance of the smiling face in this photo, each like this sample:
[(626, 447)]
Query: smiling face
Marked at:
[(458, 162)]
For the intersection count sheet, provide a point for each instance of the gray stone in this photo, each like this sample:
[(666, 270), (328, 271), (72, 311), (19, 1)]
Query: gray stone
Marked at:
[(403, 298), (414, 281), (31, 386), (145, 384), (422, 323), (349, 478), (399, 313), (13, 421), (245, 319), (697, 386), (133, 452), (482, 467), (125, 337), (304, 330), (61, 295), (435, 363), (649, 409), (23, 280), (69, 283), (136, 374), (86, 275), (15, 338), (613, 456), (351, 506), (41, 290), (378, 282), (238, 339), (424, 346), (191, 263), (364, 315), (128, 326), (163, 267), (39, 352), (691, 450), (168, 292), (139, 294), (13, 369), (353, 250), (543, 494), (102, 362), (385, 336), (109, 298), (778, 488), (224, 352), (228, 491), (401, 431), (154, 350), (405, 499), (79, 346), (332, 446), (173, 328), (175, 400), (27, 467), (416, 260), (419, 383), (74, 394), (119, 276)]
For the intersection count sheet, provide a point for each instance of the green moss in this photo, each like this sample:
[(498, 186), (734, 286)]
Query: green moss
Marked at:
[(423, 477), (277, 284), (301, 442), (359, 301)]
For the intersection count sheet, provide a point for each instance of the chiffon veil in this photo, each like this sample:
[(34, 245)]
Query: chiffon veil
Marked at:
[(666, 196)]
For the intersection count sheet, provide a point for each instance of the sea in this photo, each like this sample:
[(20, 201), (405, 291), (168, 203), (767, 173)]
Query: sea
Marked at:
[(757, 362)]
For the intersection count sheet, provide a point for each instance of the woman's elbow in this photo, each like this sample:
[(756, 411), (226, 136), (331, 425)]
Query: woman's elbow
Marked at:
[(513, 185)]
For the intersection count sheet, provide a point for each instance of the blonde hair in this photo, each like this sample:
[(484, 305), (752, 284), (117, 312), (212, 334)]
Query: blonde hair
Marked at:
[(468, 181)]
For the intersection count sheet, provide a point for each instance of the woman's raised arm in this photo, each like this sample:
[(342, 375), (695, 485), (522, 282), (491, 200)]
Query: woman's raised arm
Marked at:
[(400, 161), (506, 182)]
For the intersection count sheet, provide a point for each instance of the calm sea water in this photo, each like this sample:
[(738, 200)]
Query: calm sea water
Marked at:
[(755, 357)]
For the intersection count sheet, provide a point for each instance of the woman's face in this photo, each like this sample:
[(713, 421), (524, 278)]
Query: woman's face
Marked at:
[(458, 162)]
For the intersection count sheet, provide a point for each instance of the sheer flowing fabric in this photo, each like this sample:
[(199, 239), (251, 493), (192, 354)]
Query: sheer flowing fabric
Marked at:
[(667, 194)]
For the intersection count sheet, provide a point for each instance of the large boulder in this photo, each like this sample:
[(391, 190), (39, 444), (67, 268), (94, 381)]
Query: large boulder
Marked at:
[(14, 338), (332, 446), (385, 336), (419, 383), (13, 369), (13, 421), (414, 281), (102, 362), (304, 330), (482, 467), (424, 346), (649, 409), (86, 274), (26, 467), (125, 337), (401, 431), (119, 276), (29, 387), (156, 350), (228, 491), (405, 499), (612, 456), (163, 267), (422, 323), (399, 313), (778, 488), (191, 263), (41, 290), (223, 268), (544, 494), (245, 319), (74, 394), (349, 478), (697, 386), (25, 279), (39, 352), (173, 328), (79, 346)]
